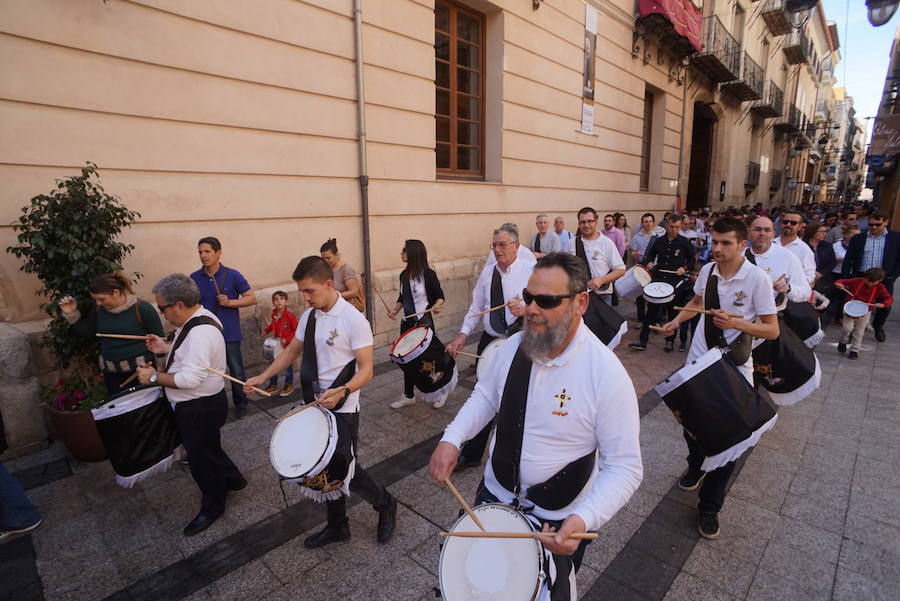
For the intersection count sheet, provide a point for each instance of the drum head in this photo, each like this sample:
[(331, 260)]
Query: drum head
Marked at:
[(659, 292), (411, 344), (301, 442), (491, 569), (855, 308), (487, 356), (128, 400), (642, 275)]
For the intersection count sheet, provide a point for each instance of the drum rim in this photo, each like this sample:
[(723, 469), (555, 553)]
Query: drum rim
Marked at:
[(660, 283), (412, 354), (856, 303), (109, 406), (481, 361), (694, 368), (539, 547), (332, 435)]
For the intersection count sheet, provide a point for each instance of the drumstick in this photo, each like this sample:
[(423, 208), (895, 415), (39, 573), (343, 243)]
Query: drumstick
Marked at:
[(298, 410), (419, 313), (468, 354), (667, 271), (378, 292), (463, 503), (235, 380), (123, 336), (492, 308), (576, 535), (658, 329), (130, 378), (706, 311)]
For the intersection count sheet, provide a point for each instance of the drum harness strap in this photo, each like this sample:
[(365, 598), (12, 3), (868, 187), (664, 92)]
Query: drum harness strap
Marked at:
[(779, 297), (739, 350), (409, 307), (581, 254), (193, 322), (309, 367)]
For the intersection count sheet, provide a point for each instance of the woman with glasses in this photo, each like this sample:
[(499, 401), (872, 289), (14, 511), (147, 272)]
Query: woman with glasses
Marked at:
[(420, 290), (115, 310), (824, 254)]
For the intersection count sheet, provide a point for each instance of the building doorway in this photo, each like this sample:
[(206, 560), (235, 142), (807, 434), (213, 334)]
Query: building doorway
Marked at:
[(701, 156)]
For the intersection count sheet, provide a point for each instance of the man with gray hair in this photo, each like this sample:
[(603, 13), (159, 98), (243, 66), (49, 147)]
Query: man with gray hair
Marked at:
[(545, 240), (201, 406)]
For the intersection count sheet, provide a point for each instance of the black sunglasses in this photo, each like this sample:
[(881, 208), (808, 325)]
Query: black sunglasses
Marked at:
[(545, 301), (789, 222), (162, 308)]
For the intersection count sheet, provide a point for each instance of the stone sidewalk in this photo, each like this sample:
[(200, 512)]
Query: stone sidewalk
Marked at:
[(813, 513)]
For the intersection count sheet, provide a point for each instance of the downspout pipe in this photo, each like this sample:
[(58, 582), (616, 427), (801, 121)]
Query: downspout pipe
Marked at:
[(363, 169), (678, 189)]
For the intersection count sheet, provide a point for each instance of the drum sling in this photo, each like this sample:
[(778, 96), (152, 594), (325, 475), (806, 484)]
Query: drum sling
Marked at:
[(601, 319), (309, 367), (741, 346), (498, 317)]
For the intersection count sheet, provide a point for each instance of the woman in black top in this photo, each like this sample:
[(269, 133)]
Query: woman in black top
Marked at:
[(825, 257), (420, 290)]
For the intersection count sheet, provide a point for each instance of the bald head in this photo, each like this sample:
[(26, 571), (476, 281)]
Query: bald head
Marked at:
[(762, 232)]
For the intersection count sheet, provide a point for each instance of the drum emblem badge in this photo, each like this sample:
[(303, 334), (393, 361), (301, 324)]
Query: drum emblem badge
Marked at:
[(428, 367), (739, 297), (331, 336), (563, 398)]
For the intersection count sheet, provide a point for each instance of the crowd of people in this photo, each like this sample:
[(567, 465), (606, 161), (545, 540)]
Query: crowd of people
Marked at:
[(565, 448)]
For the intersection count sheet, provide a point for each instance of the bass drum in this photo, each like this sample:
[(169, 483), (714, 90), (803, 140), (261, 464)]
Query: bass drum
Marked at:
[(487, 356)]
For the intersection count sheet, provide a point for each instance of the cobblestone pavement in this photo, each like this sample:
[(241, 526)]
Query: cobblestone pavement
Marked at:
[(813, 513)]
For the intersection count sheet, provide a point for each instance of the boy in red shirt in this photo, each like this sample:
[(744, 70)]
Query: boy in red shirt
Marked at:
[(869, 290), (283, 326)]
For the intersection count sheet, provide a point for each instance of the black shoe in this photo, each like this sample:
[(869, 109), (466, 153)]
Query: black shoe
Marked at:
[(200, 523), (240, 411), (709, 526), (853, 355), (638, 346), (387, 521), (240, 485), (327, 536), (691, 480), (670, 346), (682, 348), (842, 347), (879, 334)]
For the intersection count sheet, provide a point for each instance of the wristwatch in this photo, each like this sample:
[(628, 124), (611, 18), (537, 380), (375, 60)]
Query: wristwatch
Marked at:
[(153, 378)]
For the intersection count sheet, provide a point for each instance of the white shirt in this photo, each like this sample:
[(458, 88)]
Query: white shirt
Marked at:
[(549, 242), (601, 413), (805, 254), (339, 332), (524, 253), (513, 281), (748, 293), (419, 296), (777, 261), (564, 237), (204, 345), (602, 256), (839, 253)]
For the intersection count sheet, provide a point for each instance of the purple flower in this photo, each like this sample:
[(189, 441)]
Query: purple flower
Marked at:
[(58, 399), (78, 396)]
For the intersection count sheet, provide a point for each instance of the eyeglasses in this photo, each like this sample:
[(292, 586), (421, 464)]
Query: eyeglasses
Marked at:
[(496, 245), (879, 224), (162, 308), (789, 222), (545, 301), (586, 221)]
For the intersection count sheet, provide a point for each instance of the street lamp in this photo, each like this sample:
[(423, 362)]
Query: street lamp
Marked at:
[(881, 11)]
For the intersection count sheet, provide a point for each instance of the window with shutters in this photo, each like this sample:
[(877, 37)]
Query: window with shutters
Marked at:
[(646, 139), (459, 91)]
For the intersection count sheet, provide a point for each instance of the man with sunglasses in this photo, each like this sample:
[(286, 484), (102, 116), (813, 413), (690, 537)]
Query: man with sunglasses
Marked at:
[(201, 406), (566, 450), (878, 247), (499, 285), (791, 224)]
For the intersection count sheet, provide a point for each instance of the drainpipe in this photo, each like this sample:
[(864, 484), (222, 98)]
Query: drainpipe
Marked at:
[(678, 189), (363, 171)]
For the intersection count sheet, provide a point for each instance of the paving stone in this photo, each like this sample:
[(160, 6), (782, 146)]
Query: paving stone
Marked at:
[(690, 588), (808, 571), (830, 490), (769, 586), (850, 586), (885, 510), (642, 572), (814, 513), (871, 562), (803, 537), (713, 563)]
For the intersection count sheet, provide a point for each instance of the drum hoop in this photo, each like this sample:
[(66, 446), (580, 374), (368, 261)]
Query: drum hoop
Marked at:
[(332, 444), (540, 577), (120, 404), (689, 371), (417, 350), (498, 343), (646, 271), (855, 303), (658, 284)]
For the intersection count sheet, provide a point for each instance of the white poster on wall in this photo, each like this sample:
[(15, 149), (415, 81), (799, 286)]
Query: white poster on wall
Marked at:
[(587, 118), (590, 18)]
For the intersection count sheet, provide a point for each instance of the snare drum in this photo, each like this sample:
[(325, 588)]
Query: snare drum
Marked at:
[(632, 283), (423, 358), (487, 356), (272, 347), (659, 293), (855, 308), (311, 448), (492, 569), (138, 428)]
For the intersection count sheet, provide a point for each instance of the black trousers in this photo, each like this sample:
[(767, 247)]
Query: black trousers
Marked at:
[(564, 563), (712, 491), (657, 313), (200, 422), (472, 452), (641, 305), (362, 484), (881, 315)]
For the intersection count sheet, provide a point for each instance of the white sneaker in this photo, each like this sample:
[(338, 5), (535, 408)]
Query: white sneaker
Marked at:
[(440, 403), (403, 402)]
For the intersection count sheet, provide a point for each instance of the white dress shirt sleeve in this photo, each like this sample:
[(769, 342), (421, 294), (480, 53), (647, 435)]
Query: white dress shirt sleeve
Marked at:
[(195, 352), (479, 301), (763, 301), (619, 467), (797, 279), (809, 264), (481, 406)]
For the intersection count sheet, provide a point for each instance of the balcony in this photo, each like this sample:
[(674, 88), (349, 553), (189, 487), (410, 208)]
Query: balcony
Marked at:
[(776, 18), (806, 135), (772, 102), (789, 121), (676, 24), (720, 59), (797, 48), (752, 175), (749, 86), (775, 182)]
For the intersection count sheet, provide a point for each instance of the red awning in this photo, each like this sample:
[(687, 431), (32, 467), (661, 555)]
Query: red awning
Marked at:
[(686, 18)]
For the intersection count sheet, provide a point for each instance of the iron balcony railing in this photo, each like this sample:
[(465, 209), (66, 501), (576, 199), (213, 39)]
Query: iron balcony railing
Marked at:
[(777, 19), (775, 182), (789, 121), (720, 59), (797, 48), (772, 102), (752, 175), (749, 85)]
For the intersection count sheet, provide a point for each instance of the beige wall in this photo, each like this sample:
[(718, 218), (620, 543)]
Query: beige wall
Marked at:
[(211, 119)]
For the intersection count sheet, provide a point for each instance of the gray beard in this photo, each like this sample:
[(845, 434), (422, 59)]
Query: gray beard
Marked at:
[(539, 346)]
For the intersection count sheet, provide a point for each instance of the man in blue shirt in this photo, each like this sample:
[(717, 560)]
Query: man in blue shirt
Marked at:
[(223, 291)]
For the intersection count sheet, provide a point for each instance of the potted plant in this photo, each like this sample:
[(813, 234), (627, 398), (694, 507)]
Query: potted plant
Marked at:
[(65, 238)]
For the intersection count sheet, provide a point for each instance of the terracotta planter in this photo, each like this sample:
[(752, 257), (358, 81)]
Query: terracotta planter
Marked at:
[(77, 431)]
